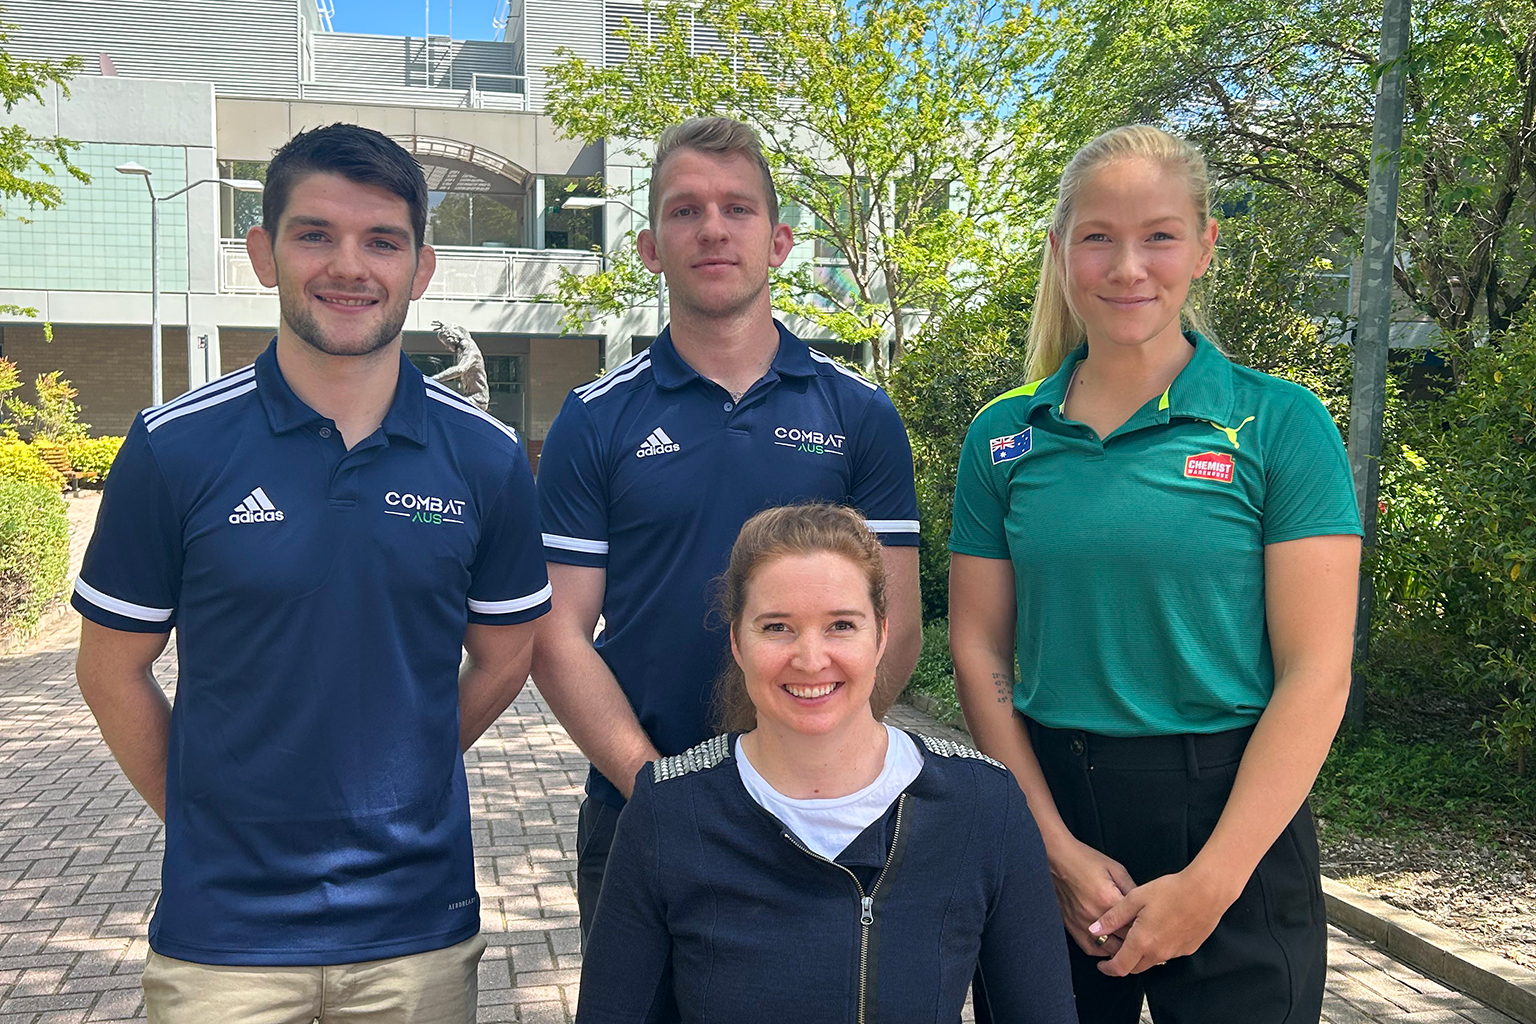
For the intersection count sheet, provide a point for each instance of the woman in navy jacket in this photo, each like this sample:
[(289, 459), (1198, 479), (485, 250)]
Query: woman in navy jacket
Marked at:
[(820, 866)]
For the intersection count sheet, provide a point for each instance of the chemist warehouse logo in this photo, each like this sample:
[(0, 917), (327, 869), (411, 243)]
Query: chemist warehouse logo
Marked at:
[(424, 508), (813, 441)]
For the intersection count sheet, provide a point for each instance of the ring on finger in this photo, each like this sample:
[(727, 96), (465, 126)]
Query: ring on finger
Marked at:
[(1099, 940)]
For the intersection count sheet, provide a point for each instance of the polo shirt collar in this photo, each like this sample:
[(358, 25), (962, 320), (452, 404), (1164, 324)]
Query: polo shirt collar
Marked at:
[(1202, 390), (286, 411), (671, 371)]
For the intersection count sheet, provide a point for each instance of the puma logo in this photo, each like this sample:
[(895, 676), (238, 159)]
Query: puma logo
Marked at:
[(1231, 432)]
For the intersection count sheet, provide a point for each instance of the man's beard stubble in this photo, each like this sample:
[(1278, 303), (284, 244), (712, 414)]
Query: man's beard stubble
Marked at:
[(296, 315)]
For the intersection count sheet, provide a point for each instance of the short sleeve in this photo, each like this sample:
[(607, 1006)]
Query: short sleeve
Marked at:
[(131, 577), (507, 583), (979, 523), (573, 489), (626, 971), (1308, 489), (882, 478)]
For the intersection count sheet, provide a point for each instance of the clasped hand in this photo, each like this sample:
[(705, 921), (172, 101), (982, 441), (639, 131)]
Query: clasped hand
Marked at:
[(1167, 917)]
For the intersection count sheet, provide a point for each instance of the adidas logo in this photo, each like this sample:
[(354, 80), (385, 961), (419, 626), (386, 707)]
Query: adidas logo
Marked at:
[(658, 443), (256, 508)]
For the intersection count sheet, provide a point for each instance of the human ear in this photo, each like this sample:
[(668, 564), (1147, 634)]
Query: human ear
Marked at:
[(258, 246), (645, 245)]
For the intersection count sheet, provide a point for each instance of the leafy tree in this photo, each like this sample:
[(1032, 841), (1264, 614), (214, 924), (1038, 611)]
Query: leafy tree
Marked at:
[(899, 128), (22, 152), (1281, 94)]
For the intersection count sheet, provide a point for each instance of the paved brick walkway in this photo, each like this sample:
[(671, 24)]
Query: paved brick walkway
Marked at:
[(79, 863)]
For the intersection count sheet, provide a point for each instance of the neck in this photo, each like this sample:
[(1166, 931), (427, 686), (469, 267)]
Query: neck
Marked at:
[(354, 392), (1141, 370), (733, 351), (818, 767)]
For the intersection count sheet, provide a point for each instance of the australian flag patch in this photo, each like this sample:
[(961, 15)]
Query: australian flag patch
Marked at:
[(1006, 449)]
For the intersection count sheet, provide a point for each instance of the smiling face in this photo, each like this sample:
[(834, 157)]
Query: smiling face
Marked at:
[(714, 236), (808, 643), (1130, 251), (345, 263)]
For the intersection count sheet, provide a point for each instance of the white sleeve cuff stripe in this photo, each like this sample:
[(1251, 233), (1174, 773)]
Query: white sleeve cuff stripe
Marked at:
[(117, 606), (892, 525), (590, 547), (517, 604)]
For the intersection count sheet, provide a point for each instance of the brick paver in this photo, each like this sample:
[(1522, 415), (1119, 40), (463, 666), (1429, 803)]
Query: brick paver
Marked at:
[(80, 853)]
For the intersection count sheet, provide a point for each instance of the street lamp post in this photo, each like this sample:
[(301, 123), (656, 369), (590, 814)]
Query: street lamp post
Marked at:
[(592, 202), (156, 391)]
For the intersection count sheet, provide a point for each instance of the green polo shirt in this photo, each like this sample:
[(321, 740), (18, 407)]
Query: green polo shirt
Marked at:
[(1139, 558)]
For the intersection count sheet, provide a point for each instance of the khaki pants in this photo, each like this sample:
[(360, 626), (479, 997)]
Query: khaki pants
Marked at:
[(436, 987)]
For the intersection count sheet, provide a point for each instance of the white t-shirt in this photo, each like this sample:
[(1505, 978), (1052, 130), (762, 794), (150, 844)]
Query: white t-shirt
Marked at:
[(828, 825)]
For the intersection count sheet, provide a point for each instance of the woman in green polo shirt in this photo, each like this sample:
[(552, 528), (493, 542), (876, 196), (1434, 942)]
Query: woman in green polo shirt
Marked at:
[(1168, 545)]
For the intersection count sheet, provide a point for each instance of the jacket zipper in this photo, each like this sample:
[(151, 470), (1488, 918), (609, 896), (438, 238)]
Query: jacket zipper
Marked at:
[(866, 900)]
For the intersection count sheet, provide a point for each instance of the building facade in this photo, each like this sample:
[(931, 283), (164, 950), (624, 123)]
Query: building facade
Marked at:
[(199, 91)]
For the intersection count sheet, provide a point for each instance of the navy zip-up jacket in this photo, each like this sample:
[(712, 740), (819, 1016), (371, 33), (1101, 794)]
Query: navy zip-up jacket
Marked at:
[(713, 912)]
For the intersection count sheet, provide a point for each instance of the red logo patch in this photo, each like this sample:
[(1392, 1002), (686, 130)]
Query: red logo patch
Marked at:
[(1210, 466)]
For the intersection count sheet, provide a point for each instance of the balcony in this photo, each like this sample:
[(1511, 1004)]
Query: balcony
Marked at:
[(478, 275)]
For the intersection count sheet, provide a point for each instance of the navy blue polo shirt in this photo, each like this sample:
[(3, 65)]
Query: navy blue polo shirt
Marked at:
[(650, 472), (316, 809)]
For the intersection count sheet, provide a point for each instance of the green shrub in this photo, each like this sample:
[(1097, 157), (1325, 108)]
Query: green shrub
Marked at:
[(19, 462), (934, 676), (1455, 566), (93, 456), (34, 553)]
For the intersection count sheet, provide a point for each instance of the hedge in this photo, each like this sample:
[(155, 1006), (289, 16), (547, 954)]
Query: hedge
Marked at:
[(34, 552), (92, 456), (19, 462)]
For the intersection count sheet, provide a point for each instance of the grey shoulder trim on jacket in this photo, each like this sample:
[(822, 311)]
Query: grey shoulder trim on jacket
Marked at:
[(706, 755), (949, 748)]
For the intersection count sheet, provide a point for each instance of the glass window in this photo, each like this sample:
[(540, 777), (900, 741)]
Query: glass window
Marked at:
[(470, 219), (240, 211), (571, 229)]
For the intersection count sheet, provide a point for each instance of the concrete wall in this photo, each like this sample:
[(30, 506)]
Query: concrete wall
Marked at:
[(254, 129), (555, 365)]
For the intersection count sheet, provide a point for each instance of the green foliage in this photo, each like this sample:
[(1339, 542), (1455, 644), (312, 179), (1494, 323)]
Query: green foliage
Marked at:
[(55, 417), (965, 360), (92, 457), (901, 133), (23, 154), (1283, 94), (19, 461), (1455, 567), (934, 676), (1418, 764), (34, 551)]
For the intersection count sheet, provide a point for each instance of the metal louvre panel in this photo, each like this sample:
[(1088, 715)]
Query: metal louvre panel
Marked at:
[(551, 24), (245, 48), (384, 65)]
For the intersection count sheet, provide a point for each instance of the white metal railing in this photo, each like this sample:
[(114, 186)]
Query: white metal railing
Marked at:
[(513, 97), (463, 272)]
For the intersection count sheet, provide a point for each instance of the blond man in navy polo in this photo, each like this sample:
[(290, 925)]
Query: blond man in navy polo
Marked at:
[(650, 471), (325, 530)]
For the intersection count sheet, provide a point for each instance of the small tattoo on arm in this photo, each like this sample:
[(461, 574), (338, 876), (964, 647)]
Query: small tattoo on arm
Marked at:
[(1004, 687)]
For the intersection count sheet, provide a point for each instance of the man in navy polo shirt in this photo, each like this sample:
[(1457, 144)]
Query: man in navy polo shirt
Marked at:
[(649, 472), (324, 530)]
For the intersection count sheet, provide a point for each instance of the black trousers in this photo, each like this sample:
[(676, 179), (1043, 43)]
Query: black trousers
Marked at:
[(594, 837), (1151, 803)]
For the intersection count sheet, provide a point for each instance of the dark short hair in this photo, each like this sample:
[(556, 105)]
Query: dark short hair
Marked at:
[(719, 137), (358, 154)]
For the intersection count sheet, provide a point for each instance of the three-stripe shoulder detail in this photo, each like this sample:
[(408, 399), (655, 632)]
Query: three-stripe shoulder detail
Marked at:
[(226, 388), (822, 357), (453, 400), (613, 378)]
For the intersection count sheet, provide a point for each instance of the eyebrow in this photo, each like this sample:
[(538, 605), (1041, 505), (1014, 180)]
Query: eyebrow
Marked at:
[(378, 229), (1144, 224), (845, 613), (731, 197)]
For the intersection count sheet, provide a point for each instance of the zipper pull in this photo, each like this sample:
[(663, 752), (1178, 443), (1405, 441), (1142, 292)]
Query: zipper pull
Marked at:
[(867, 918)]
